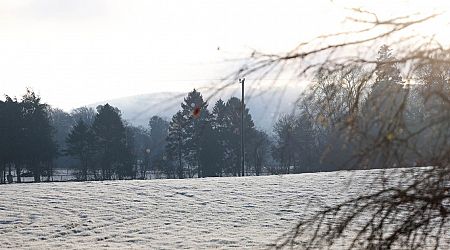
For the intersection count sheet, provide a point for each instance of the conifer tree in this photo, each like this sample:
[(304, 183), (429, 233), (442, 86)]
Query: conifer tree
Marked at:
[(110, 140), (195, 116), (220, 124), (80, 144), (233, 112), (39, 149), (176, 141), (12, 142)]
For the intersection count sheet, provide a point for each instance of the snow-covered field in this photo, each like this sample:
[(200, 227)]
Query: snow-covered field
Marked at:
[(248, 212)]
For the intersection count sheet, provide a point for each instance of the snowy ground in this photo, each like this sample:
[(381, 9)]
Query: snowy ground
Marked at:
[(195, 213)]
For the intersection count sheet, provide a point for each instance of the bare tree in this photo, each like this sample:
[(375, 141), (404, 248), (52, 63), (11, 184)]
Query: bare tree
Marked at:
[(394, 111)]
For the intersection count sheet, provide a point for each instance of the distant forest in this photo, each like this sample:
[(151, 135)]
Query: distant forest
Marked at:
[(202, 141)]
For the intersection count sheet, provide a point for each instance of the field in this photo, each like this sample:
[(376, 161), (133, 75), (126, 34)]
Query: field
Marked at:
[(248, 212)]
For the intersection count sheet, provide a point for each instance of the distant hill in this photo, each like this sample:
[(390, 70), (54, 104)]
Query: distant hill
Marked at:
[(265, 104)]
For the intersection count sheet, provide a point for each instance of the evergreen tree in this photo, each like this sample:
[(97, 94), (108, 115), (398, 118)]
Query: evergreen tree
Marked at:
[(233, 134), (2, 143), (80, 144), (176, 141), (220, 124), (110, 140), (158, 133), (210, 150), (388, 85), (387, 70), (384, 105), (195, 115), (159, 129), (39, 149), (12, 140), (133, 151)]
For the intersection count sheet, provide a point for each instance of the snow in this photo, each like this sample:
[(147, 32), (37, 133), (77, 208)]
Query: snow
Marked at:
[(245, 212)]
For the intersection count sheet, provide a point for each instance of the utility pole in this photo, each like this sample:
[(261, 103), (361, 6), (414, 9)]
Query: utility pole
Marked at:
[(242, 127)]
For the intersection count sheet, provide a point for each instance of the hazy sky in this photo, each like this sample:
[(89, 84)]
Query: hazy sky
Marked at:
[(77, 52)]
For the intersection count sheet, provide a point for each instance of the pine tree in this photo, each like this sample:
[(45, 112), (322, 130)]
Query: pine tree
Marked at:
[(384, 103), (387, 89), (210, 150), (110, 140), (80, 144), (387, 70), (40, 149), (12, 141), (159, 129), (176, 141), (219, 125), (233, 146), (158, 133), (195, 115)]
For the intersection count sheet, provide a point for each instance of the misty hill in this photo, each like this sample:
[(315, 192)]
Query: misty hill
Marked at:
[(265, 104)]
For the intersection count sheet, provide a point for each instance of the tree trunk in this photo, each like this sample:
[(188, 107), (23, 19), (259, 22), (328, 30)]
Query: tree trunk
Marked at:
[(85, 170), (18, 171), (36, 171), (2, 175)]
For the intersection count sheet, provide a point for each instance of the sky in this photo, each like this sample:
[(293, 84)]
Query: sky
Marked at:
[(78, 52)]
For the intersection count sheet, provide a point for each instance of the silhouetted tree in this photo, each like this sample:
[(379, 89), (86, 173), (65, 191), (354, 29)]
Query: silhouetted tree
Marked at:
[(159, 129), (13, 141), (196, 115), (176, 141), (2, 142), (40, 148), (109, 131), (80, 144), (233, 134), (220, 124), (210, 151)]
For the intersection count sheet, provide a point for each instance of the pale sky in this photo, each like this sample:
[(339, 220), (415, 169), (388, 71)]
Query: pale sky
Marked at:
[(77, 52)]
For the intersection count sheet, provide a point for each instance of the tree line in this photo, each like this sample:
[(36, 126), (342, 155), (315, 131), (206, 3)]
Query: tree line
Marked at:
[(200, 142), (36, 139)]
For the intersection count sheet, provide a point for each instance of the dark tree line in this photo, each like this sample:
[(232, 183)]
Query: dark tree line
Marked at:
[(203, 142), (99, 145), (26, 137)]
